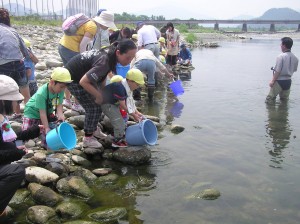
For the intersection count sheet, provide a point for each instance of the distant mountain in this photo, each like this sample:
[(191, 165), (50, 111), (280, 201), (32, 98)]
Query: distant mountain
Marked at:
[(17, 9), (278, 14)]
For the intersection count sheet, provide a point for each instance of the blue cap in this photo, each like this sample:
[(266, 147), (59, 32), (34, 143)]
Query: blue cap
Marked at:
[(139, 23), (100, 10)]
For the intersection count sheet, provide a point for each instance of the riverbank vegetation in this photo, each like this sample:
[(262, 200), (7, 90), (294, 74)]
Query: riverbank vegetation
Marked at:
[(188, 31)]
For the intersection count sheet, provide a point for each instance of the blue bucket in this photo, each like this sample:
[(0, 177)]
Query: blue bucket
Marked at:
[(143, 133), (177, 88), (62, 136), (122, 70)]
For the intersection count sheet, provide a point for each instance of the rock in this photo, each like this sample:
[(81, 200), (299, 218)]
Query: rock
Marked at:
[(40, 214), (75, 186), (80, 160), (132, 155), (41, 47), (108, 215), (30, 143), (176, 129), (60, 169), (41, 66), (85, 174), (209, 194), (93, 151), (39, 156), (69, 210), (71, 113), (78, 121), (81, 222), (40, 175), (102, 171), (103, 180), (44, 195), (53, 63), (19, 197)]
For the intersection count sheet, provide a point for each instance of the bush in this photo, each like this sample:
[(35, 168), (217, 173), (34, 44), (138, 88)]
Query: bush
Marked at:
[(191, 38)]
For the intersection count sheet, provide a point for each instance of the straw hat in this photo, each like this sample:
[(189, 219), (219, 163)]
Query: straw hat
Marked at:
[(106, 18)]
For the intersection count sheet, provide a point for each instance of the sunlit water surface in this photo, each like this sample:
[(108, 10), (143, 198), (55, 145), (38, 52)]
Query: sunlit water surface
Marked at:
[(231, 142)]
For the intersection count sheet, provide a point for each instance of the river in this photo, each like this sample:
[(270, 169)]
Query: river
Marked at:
[(231, 142)]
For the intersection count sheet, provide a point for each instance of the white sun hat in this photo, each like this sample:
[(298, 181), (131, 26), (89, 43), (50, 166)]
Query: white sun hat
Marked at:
[(106, 18)]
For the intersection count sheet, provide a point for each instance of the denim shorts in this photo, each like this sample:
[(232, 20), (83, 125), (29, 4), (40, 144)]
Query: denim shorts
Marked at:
[(15, 70)]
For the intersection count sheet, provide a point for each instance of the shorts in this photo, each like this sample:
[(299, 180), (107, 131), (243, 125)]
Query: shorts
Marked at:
[(33, 87), (15, 70)]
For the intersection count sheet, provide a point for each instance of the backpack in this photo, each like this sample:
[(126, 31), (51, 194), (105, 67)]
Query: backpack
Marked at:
[(72, 23)]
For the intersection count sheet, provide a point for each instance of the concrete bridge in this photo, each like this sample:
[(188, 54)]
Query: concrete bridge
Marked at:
[(217, 22)]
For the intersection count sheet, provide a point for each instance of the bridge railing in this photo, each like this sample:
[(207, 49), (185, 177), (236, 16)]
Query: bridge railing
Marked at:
[(217, 22)]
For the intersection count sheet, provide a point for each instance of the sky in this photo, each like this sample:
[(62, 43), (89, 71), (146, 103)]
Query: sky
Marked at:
[(219, 9), (184, 9)]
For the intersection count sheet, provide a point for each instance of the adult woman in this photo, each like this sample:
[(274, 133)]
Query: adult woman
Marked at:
[(12, 52), (11, 175), (88, 72), (69, 46), (173, 37)]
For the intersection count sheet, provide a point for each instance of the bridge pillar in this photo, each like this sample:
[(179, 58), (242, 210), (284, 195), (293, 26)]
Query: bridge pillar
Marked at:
[(272, 27), (216, 27), (298, 28), (244, 28)]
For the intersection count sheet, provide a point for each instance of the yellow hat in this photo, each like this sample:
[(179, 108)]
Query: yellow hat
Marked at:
[(27, 42), (134, 36), (163, 52), (60, 74), (135, 75), (162, 59), (116, 78), (162, 40)]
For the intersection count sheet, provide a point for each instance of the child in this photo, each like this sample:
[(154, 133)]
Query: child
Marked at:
[(11, 175), (119, 95), (39, 109), (162, 46), (30, 68)]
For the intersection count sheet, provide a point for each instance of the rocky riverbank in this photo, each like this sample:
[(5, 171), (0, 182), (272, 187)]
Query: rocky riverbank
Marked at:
[(60, 185)]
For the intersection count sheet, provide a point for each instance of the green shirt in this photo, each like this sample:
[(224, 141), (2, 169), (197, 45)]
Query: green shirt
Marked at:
[(39, 102)]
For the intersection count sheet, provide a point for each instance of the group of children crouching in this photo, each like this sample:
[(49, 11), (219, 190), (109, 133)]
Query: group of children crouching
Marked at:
[(45, 106)]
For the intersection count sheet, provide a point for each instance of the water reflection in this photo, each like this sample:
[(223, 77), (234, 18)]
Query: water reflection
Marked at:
[(278, 128), (176, 109)]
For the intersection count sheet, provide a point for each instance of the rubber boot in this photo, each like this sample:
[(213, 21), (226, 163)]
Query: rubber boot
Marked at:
[(151, 93), (137, 94)]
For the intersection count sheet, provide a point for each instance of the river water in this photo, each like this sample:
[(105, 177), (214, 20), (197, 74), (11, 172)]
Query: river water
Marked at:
[(232, 142)]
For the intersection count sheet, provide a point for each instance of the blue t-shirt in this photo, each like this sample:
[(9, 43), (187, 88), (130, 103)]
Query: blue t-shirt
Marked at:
[(185, 54), (114, 92)]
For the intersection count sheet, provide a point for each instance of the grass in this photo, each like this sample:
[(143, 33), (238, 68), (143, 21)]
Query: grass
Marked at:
[(34, 20)]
